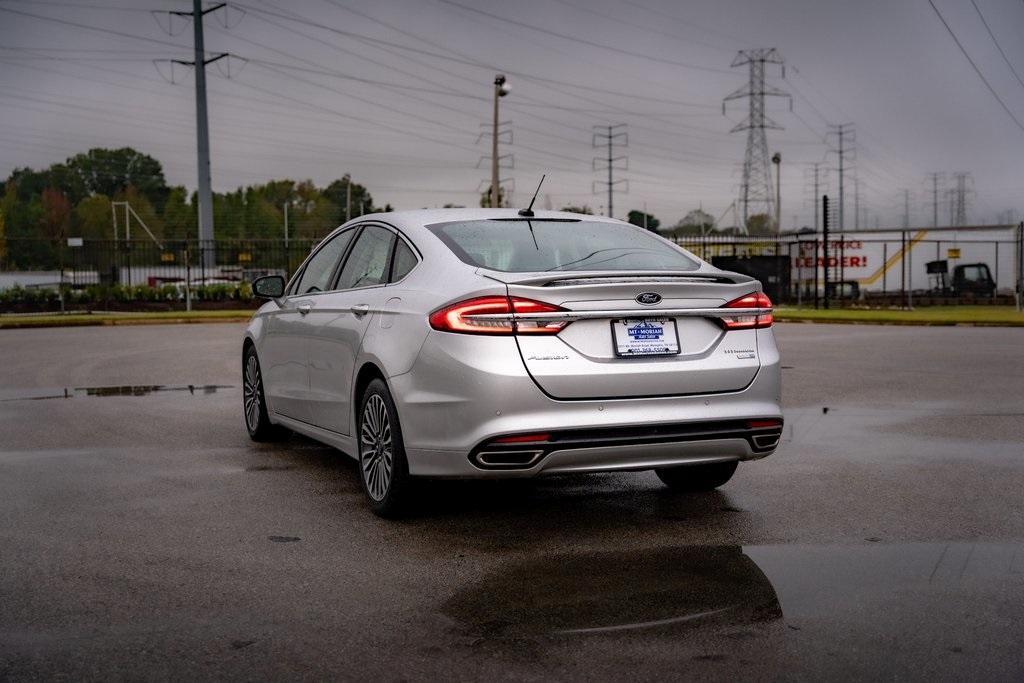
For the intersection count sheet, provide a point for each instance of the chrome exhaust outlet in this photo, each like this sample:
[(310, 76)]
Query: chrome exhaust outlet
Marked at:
[(508, 459), (764, 441)]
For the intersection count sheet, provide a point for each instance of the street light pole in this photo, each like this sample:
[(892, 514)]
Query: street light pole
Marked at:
[(777, 160), (500, 90)]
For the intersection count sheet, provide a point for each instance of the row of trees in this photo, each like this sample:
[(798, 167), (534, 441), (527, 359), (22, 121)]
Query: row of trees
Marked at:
[(75, 199)]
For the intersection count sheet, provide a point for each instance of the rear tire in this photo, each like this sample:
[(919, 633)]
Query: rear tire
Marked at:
[(695, 478), (383, 468), (254, 403)]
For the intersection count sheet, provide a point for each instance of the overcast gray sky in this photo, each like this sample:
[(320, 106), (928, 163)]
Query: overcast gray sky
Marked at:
[(395, 91)]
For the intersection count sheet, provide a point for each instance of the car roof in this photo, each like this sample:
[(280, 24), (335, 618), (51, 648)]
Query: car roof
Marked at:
[(418, 218)]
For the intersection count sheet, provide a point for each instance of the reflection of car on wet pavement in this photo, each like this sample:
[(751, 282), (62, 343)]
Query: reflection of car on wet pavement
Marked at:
[(491, 343), (610, 592)]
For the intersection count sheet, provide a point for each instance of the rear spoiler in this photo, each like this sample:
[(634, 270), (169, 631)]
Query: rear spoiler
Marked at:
[(564, 279)]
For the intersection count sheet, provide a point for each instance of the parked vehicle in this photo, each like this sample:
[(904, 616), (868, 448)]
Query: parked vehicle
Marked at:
[(485, 343), (970, 279)]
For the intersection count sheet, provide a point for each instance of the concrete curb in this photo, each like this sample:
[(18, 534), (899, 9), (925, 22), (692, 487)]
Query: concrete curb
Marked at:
[(100, 321)]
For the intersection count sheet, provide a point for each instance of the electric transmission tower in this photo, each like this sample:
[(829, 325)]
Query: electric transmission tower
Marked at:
[(611, 137), (756, 188), (935, 179), (962, 189), (845, 137)]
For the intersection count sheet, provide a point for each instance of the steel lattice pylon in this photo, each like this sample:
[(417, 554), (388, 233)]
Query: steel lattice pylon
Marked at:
[(756, 188)]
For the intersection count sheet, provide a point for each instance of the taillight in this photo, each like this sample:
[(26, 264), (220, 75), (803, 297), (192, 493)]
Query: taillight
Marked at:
[(458, 316), (749, 322)]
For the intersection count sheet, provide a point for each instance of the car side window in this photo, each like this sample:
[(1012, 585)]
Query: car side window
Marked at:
[(367, 263), (317, 275), (404, 261)]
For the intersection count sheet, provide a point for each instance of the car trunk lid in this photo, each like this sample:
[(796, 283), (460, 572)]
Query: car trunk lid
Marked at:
[(584, 360)]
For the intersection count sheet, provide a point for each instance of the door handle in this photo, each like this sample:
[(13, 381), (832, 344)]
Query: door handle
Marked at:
[(360, 310), (305, 308)]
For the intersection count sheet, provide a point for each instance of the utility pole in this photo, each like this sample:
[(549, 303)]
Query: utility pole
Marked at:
[(906, 208), (499, 129), (610, 137), (200, 63), (845, 136), (348, 200), (286, 227), (814, 182), (500, 90), (856, 203), (756, 188)]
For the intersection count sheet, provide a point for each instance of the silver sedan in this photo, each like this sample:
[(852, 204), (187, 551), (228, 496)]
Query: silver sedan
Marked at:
[(487, 343)]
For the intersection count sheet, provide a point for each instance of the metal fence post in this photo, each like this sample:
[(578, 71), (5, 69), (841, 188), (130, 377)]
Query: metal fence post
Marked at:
[(995, 290), (1020, 268), (824, 240), (188, 279), (817, 268), (910, 274), (903, 269), (885, 269)]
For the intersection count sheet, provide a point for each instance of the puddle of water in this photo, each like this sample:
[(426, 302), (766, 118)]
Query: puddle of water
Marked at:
[(119, 390), (610, 591), (968, 590)]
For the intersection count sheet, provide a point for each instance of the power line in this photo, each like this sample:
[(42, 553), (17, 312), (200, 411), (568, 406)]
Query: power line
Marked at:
[(582, 41), (998, 47), (975, 66), (89, 27)]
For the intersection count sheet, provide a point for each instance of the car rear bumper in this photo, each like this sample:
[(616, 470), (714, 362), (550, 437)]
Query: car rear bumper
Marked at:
[(464, 391)]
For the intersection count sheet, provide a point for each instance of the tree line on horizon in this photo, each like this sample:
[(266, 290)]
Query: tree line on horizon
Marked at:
[(40, 209)]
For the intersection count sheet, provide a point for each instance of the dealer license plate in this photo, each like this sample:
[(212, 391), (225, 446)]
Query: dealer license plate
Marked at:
[(645, 337)]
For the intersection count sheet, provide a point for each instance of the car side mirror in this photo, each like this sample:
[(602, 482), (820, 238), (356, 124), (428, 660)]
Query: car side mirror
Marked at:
[(268, 287)]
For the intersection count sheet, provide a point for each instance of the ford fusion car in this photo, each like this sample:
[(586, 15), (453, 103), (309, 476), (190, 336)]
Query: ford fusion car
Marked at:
[(493, 343)]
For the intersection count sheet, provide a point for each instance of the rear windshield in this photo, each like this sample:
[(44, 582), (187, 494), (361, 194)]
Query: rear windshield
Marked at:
[(522, 246)]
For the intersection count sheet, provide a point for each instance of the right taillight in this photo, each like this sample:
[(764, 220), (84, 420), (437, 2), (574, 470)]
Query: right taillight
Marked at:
[(458, 317), (749, 322)]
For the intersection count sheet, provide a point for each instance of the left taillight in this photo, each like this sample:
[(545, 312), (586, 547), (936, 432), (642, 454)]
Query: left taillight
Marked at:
[(457, 317), (749, 322)]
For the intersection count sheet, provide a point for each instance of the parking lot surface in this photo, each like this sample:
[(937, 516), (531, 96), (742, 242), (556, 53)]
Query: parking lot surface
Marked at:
[(144, 535)]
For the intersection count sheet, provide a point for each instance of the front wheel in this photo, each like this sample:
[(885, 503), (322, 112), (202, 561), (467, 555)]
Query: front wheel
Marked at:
[(696, 477), (254, 403), (383, 468)]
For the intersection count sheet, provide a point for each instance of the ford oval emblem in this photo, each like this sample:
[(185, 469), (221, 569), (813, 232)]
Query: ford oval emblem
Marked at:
[(648, 298)]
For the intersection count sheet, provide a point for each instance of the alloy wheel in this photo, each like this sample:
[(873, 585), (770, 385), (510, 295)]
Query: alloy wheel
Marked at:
[(251, 393), (376, 449)]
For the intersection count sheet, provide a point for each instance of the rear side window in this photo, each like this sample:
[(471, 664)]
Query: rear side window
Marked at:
[(317, 275), (405, 260), (524, 246), (367, 263)]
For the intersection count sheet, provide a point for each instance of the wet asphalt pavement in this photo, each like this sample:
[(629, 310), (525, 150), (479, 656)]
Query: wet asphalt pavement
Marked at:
[(142, 535)]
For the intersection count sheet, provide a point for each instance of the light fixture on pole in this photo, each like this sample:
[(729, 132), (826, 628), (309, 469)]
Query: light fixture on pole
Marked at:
[(501, 89)]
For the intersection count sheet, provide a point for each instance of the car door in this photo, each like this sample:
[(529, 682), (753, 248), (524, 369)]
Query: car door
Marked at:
[(336, 325), (284, 352)]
